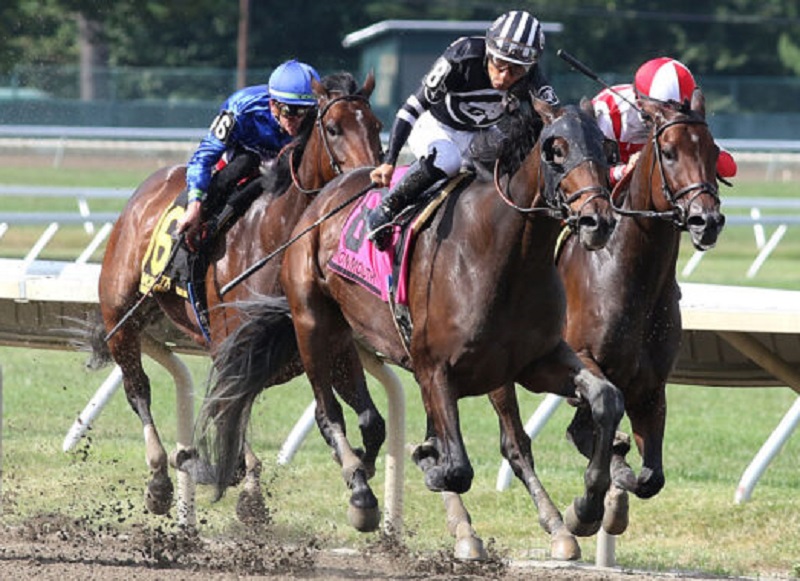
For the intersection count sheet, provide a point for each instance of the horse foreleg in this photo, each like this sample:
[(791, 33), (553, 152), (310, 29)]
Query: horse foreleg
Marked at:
[(563, 373), (469, 545), (584, 515), (648, 421), (443, 457), (515, 446)]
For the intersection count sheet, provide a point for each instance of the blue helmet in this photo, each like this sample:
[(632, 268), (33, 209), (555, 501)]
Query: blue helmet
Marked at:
[(290, 83)]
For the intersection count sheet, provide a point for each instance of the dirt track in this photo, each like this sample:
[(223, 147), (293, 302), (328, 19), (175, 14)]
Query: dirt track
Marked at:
[(56, 548)]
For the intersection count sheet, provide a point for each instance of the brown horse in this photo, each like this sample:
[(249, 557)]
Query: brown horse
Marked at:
[(623, 315), (486, 302), (343, 135)]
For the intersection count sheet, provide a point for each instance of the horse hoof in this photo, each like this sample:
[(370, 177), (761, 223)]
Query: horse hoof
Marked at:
[(564, 546), (469, 547), (615, 517), (251, 508), (364, 520), (578, 527), (158, 496)]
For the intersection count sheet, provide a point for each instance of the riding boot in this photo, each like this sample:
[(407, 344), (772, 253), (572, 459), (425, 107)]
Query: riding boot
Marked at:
[(420, 175), (219, 223)]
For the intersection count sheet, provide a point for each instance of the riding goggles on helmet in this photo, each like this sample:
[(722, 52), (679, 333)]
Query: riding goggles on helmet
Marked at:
[(287, 110), (502, 65), (514, 52)]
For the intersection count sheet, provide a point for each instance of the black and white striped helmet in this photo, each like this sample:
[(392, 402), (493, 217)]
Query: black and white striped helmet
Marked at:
[(516, 37)]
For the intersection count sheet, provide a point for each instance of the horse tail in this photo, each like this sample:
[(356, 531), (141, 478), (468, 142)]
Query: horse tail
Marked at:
[(254, 356), (90, 335)]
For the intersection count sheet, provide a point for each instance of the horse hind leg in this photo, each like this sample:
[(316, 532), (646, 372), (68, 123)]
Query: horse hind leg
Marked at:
[(516, 448), (342, 368), (126, 350), (251, 507)]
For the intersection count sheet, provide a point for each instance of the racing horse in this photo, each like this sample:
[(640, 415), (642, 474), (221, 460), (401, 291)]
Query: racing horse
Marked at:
[(343, 135), (486, 303), (623, 315)]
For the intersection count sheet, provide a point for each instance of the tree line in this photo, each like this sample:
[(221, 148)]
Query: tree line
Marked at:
[(729, 37)]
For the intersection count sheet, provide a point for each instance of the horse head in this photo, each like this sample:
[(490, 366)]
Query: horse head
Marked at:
[(685, 154), (575, 172), (347, 128)]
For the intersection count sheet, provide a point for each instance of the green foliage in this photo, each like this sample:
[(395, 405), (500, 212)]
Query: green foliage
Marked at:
[(731, 37)]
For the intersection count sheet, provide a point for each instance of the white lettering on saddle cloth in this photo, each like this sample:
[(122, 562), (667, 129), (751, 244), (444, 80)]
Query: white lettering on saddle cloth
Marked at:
[(356, 258)]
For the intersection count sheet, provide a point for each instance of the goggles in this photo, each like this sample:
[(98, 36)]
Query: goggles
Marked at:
[(286, 110), (504, 66)]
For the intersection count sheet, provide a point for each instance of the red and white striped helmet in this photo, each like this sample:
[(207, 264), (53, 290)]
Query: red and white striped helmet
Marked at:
[(665, 79)]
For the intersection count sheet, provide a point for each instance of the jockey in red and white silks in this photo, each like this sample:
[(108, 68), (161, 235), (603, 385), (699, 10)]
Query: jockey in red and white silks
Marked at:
[(663, 79)]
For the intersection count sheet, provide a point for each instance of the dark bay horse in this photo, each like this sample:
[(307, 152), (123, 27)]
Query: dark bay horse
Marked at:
[(623, 315), (487, 307), (343, 135)]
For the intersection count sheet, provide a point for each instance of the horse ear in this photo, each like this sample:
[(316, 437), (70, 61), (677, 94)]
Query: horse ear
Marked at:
[(369, 85), (545, 110), (651, 108), (319, 89), (699, 102)]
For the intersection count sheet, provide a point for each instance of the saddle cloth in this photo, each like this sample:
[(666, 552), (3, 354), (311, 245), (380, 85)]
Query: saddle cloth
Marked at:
[(385, 274), (158, 273)]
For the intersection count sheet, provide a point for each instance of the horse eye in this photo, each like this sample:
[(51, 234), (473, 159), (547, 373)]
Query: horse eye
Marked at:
[(333, 130), (669, 153), (559, 155)]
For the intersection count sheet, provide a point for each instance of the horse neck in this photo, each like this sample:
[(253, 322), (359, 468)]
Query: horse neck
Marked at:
[(646, 248), (315, 168), (536, 232)]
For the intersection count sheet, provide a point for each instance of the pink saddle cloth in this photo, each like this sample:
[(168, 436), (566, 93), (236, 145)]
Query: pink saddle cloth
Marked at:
[(358, 260)]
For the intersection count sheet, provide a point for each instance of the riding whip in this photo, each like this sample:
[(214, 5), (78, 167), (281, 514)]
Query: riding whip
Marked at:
[(582, 68), (254, 267)]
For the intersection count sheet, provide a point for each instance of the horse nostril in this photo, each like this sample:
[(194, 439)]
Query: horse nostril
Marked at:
[(696, 222), (588, 222)]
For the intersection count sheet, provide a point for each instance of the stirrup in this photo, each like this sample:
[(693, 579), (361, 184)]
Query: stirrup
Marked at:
[(382, 236)]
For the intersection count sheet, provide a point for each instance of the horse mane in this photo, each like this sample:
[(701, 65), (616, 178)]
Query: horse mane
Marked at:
[(508, 142), (279, 178)]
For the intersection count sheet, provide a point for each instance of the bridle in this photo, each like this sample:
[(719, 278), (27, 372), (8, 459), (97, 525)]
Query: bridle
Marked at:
[(335, 164), (558, 205), (677, 213)]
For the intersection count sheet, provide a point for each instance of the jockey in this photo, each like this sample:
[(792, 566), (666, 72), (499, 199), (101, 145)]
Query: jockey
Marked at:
[(465, 91), (252, 126), (662, 79)]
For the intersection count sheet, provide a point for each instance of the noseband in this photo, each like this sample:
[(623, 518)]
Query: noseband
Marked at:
[(677, 213), (558, 205), (335, 165)]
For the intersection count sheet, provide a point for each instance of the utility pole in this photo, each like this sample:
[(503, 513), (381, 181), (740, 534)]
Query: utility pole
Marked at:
[(241, 44)]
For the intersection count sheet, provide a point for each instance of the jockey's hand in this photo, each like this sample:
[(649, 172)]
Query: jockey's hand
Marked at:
[(189, 224), (632, 162), (382, 175)]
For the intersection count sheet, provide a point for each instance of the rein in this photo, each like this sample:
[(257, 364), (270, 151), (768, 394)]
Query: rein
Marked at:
[(563, 210), (677, 213), (335, 165), (263, 261)]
